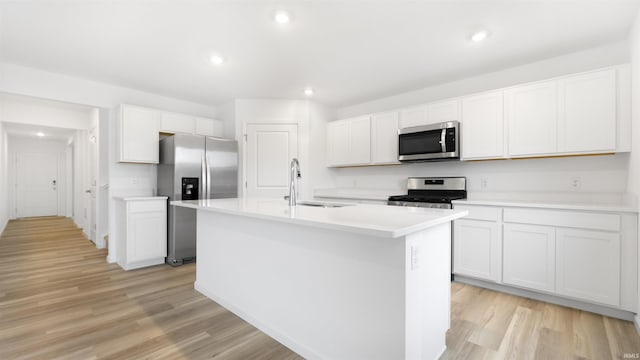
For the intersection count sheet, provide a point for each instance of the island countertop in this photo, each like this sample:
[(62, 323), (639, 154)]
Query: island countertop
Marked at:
[(375, 220)]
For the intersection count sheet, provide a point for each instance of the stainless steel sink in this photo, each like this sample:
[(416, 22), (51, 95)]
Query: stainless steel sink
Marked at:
[(321, 204)]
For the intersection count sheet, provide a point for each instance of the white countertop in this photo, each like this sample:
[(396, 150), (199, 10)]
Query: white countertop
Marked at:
[(356, 193), (375, 220), (614, 202), (139, 198)]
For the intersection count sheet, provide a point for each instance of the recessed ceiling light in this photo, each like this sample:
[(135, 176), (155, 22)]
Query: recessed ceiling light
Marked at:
[(478, 36), (282, 17), (40, 134), (308, 91), (217, 60)]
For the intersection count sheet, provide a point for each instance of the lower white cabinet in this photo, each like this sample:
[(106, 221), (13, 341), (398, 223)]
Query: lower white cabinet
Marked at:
[(477, 249), (588, 265), (529, 257), (589, 256), (141, 231)]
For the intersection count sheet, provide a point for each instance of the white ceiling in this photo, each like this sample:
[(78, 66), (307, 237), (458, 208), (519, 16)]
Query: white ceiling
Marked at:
[(26, 130), (349, 51)]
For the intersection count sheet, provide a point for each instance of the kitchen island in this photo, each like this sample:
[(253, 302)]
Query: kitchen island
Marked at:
[(350, 282)]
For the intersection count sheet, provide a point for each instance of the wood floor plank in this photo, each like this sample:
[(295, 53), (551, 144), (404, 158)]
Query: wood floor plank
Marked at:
[(60, 299)]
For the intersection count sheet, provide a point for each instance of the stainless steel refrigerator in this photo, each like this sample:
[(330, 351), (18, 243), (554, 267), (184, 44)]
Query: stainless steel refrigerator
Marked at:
[(193, 167)]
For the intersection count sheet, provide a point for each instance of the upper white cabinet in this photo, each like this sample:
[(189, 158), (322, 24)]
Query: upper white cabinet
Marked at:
[(209, 127), (384, 136), (173, 123), (482, 133), (139, 134), (415, 116), (337, 143), (360, 141), (531, 116), (176, 123), (432, 113), (442, 111), (349, 142), (587, 112)]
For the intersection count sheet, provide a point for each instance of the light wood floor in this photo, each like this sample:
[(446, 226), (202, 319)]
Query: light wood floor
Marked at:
[(59, 299)]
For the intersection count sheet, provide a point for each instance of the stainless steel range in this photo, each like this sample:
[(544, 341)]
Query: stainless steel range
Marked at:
[(431, 192)]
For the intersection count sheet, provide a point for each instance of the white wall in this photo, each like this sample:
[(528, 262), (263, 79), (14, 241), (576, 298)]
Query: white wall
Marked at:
[(634, 158), (602, 174), (311, 119), (4, 201), (20, 144), (27, 110), (613, 54)]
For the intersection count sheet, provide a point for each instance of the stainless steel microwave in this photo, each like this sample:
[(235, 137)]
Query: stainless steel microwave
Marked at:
[(434, 142)]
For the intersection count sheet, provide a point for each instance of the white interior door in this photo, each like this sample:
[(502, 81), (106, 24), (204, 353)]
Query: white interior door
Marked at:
[(269, 150), (36, 184)]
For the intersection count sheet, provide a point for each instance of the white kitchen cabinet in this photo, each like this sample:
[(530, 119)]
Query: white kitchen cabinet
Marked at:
[(442, 111), (141, 227), (482, 126), (139, 134), (360, 141), (384, 138), (338, 143), (176, 123), (415, 116), (432, 113), (349, 142), (529, 256), (588, 265), (477, 249), (587, 112), (209, 127), (531, 117)]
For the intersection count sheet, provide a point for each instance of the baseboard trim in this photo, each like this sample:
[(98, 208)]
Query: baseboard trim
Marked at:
[(576, 304), (3, 226)]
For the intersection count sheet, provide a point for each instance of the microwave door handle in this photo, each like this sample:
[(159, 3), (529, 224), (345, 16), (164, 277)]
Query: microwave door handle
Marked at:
[(443, 142)]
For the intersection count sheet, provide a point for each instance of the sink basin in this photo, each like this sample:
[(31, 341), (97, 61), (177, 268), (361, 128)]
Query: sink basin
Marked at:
[(321, 204)]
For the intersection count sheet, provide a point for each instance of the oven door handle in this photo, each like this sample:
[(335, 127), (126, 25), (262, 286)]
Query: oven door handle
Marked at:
[(443, 142)]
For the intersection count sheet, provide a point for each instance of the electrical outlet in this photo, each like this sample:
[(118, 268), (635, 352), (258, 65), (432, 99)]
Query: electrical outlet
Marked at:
[(484, 183), (575, 183), (415, 258), (134, 181)]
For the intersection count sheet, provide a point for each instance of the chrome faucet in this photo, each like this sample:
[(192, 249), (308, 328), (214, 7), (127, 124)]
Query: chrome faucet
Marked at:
[(294, 174)]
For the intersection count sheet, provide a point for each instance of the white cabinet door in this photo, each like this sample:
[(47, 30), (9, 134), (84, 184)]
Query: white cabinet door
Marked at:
[(415, 116), (209, 127), (360, 141), (531, 115), (384, 138), (482, 126), (529, 256), (176, 123), (587, 112), (442, 111), (337, 143), (477, 249), (147, 238), (588, 265), (139, 135)]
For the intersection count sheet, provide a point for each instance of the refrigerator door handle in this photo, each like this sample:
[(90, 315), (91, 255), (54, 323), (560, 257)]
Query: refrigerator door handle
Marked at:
[(208, 170), (203, 175)]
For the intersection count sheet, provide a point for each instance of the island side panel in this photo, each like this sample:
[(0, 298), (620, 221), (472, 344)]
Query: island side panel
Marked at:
[(428, 289), (324, 293)]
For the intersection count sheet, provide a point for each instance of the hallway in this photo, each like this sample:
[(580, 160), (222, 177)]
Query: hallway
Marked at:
[(60, 299)]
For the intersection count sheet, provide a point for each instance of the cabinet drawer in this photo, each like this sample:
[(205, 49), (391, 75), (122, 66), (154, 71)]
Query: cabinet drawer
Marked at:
[(147, 205), (486, 213), (573, 219)]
